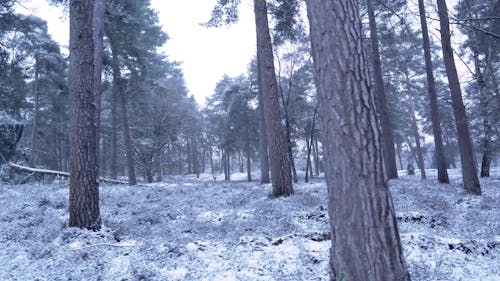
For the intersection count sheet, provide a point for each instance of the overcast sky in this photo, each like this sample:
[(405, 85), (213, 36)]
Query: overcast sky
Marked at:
[(206, 54)]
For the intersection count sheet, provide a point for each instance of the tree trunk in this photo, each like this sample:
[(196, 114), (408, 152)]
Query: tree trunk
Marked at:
[(381, 99), (398, 150), (248, 149), (34, 129), (316, 156), (114, 133), (86, 24), (290, 151), (308, 161), (469, 170), (280, 164), (487, 128), (264, 156), (212, 172), (433, 101), (104, 155), (309, 144), (119, 91), (416, 135), (365, 239)]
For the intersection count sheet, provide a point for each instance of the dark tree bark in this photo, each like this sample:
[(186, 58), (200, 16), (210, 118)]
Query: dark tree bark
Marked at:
[(119, 92), (86, 25), (469, 169), (280, 163), (433, 101), (381, 99), (264, 156), (365, 238)]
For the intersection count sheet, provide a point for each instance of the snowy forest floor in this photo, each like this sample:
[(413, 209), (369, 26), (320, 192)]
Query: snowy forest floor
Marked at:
[(194, 229)]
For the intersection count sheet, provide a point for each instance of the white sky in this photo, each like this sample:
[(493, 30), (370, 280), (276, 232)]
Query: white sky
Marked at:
[(206, 53)]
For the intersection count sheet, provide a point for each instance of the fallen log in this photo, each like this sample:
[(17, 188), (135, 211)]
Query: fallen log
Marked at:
[(55, 173)]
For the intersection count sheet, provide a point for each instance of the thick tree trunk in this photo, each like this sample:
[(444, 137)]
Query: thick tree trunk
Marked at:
[(264, 156), (469, 169), (381, 99), (416, 135), (84, 66), (34, 129), (433, 101), (280, 163), (365, 239)]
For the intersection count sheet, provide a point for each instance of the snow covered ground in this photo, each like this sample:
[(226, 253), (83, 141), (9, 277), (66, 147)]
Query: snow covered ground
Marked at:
[(194, 229)]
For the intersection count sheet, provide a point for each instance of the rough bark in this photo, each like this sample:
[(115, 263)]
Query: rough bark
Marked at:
[(433, 101), (281, 177), (469, 169), (391, 169), (365, 238), (264, 156), (84, 112)]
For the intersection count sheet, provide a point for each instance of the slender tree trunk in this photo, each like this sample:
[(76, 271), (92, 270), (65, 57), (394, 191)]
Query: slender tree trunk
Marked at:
[(398, 150), (316, 156), (264, 156), (308, 161), (119, 91), (196, 158), (211, 161), (433, 101), (280, 163), (420, 156), (309, 144), (487, 128), (248, 149), (249, 165), (365, 239), (34, 129), (381, 99), (104, 156), (114, 133), (86, 24), (180, 160), (290, 151), (469, 169)]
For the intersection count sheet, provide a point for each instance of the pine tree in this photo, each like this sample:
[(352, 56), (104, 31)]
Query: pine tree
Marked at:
[(365, 239)]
